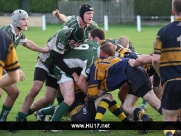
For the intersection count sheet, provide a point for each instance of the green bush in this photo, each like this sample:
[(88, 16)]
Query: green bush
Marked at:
[(153, 7), (9, 5), (40, 6), (43, 6), (142, 7)]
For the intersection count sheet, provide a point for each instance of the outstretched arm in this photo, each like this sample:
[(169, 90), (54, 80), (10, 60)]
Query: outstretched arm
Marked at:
[(32, 46), (140, 61), (61, 17)]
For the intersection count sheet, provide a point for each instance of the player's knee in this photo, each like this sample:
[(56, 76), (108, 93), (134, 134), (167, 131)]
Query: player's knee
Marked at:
[(49, 100), (69, 101), (35, 90), (13, 93), (109, 97), (16, 93), (125, 107)]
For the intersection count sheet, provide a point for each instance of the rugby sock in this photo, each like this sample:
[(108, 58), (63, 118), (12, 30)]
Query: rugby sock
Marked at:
[(47, 111), (30, 112), (168, 133), (4, 113), (168, 128), (20, 117), (101, 109), (59, 112), (117, 111), (143, 103), (138, 114)]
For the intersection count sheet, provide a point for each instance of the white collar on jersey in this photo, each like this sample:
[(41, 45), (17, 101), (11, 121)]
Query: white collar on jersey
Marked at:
[(13, 31)]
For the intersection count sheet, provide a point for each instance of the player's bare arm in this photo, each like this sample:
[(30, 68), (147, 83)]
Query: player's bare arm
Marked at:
[(61, 17), (32, 46)]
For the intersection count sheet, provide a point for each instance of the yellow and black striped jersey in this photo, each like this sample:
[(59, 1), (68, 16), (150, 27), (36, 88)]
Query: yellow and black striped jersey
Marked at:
[(107, 74), (8, 57), (168, 46)]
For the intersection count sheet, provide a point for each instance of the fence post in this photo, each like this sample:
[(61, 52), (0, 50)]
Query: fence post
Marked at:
[(106, 23), (138, 23), (171, 18), (43, 22)]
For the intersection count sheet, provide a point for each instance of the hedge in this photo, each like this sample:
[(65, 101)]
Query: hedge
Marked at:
[(142, 7)]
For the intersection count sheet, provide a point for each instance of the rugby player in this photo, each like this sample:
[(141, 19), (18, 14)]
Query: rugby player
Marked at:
[(84, 20), (14, 31), (83, 111), (166, 61), (105, 73), (8, 61), (60, 43)]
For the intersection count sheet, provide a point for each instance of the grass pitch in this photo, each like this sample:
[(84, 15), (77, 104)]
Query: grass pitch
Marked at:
[(142, 41)]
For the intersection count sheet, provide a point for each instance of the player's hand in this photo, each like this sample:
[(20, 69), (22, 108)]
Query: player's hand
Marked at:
[(131, 62), (128, 50), (46, 49), (22, 75), (76, 77), (55, 12), (86, 99), (101, 92)]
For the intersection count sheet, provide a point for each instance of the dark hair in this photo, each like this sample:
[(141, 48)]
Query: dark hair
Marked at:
[(77, 35), (176, 5), (99, 32), (84, 8), (108, 48)]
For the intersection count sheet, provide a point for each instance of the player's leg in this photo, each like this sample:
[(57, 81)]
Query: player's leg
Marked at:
[(52, 89), (128, 106), (123, 92), (12, 94), (143, 86), (39, 78), (102, 104), (143, 104), (147, 94), (157, 88), (67, 91), (171, 105), (105, 102), (47, 100)]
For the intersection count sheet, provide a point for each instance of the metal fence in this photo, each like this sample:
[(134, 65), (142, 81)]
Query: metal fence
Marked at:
[(118, 11)]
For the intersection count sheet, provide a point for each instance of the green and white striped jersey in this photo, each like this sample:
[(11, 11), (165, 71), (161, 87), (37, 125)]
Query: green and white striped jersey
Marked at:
[(59, 42), (81, 57), (73, 22), (16, 40)]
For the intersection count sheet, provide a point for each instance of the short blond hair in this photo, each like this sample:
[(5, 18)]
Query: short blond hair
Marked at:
[(124, 41)]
